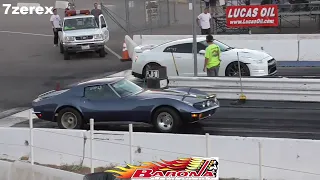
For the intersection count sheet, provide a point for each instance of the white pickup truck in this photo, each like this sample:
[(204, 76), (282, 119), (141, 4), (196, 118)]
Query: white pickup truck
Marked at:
[(81, 33)]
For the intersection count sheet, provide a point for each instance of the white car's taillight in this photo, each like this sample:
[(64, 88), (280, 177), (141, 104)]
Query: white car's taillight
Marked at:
[(136, 58)]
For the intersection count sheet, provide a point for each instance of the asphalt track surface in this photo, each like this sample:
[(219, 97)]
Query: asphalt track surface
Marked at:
[(30, 65)]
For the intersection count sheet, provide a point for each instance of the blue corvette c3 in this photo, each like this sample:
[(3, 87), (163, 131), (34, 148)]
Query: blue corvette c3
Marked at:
[(118, 100)]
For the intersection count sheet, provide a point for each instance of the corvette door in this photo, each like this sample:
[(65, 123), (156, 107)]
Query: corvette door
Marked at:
[(183, 57), (104, 27), (101, 103)]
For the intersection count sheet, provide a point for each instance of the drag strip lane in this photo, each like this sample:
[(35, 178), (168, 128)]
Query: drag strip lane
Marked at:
[(253, 119)]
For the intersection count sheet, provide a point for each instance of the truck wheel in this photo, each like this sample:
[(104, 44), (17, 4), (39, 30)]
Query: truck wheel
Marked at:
[(66, 55), (102, 53), (166, 120), (61, 48)]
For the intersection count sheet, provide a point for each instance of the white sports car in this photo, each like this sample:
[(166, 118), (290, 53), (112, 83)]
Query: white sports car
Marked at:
[(252, 62)]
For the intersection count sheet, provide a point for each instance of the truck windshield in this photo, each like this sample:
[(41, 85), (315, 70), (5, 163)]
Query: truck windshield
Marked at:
[(79, 23)]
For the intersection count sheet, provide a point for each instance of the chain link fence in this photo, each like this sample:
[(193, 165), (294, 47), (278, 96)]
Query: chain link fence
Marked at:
[(144, 16), (175, 17)]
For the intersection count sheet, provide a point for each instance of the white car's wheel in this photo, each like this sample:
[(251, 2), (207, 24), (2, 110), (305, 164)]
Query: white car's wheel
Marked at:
[(233, 69), (148, 67)]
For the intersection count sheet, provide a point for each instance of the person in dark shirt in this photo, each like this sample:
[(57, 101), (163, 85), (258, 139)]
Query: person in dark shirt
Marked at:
[(96, 12)]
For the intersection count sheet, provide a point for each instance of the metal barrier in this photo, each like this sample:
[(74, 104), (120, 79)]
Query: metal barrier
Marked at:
[(278, 89)]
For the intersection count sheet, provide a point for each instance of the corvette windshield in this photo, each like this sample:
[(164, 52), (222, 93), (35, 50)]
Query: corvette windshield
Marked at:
[(126, 88)]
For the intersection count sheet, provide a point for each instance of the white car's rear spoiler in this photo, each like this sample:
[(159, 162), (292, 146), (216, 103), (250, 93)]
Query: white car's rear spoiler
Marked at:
[(133, 47), (141, 48), (130, 45)]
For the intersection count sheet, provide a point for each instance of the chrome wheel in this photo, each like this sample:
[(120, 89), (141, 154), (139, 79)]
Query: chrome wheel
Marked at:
[(165, 121), (69, 120)]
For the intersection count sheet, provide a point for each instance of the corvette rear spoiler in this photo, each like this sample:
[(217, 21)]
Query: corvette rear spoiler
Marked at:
[(46, 93)]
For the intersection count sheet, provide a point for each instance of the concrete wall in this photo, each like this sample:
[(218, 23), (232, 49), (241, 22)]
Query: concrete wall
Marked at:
[(25, 171), (302, 47), (239, 157)]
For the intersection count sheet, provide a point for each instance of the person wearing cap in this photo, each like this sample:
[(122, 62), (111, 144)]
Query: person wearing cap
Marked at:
[(203, 21), (212, 58), (96, 12), (56, 26)]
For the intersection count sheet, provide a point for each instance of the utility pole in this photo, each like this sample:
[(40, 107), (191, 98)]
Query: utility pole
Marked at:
[(194, 30)]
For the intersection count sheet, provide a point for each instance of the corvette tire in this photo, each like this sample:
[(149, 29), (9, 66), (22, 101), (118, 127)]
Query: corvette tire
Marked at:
[(166, 120), (70, 118)]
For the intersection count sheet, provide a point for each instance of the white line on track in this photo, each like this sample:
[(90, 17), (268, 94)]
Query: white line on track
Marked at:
[(33, 34), (46, 35), (114, 53)]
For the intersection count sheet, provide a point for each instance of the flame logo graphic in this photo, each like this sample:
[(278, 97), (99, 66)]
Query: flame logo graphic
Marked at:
[(184, 164)]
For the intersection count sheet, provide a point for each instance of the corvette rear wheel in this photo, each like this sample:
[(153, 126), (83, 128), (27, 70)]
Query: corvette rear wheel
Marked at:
[(166, 120), (69, 118)]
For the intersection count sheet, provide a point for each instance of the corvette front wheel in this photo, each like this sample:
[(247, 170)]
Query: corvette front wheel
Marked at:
[(166, 120)]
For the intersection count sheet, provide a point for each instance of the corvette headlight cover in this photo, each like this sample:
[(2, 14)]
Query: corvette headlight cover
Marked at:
[(204, 104)]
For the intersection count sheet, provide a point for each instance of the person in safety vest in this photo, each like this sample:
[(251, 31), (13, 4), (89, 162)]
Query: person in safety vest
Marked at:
[(212, 58), (70, 24)]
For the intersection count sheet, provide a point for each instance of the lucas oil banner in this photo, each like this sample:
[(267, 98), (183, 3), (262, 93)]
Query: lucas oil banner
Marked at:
[(252, 16)]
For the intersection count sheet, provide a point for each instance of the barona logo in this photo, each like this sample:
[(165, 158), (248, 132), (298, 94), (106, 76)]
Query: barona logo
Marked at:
[(24, 10)]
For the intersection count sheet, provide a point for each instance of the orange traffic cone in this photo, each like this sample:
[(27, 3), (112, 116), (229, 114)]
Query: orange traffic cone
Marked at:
[(125, 54)]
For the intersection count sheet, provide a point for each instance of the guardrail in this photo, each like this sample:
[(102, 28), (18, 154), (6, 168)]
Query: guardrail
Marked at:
[(280, 89), (262, 157)]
